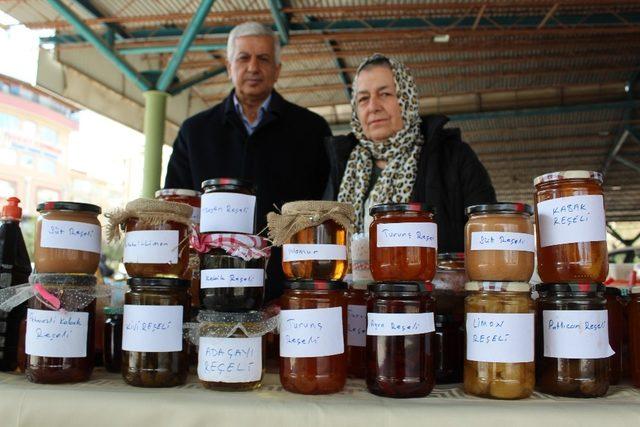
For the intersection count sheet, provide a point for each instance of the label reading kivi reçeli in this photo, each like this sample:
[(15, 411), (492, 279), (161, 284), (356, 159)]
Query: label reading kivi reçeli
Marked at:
[(227, 212), (230, 360), (571, 220), (407, 234), (74, 235), (152, 328), (311, 333)]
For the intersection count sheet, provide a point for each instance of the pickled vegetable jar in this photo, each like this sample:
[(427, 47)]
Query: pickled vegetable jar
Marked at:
[(574, 358), (571, 230), (232, 349), (68, 238), (60, 345), (500, 358), (357, 330), (615, 309), (499, 243), (154, 352), (633, 310), (403, 242), (228, 206), (400, 340), (312, 343)]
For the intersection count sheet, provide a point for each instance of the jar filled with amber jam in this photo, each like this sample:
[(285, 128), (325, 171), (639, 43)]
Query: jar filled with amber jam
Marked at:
[(60, 344), (499, 244), (500, 357), (573, 360), (357, 330), (633, 310), (312, 342), (571, 230), (154, 351), (403, 242), (400, 340)]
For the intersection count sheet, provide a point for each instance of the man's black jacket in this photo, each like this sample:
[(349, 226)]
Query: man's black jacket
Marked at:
[(450, 177), (284, 157)]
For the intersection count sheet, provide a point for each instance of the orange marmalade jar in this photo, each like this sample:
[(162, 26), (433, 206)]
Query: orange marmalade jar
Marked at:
[(571, 229), (403, 242)]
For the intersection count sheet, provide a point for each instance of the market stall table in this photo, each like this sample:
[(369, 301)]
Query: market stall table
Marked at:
[(107, 401)]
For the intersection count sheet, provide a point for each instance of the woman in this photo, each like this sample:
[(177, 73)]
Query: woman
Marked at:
[(394, 156)]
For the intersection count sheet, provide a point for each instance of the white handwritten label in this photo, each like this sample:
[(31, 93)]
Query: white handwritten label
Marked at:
[(407, 234), (571, 220), (152, 328), (195, 215), (502, 241), (357, 325), (395, 324), (576, 334), (314, 332), (74, 235), (500, 337), (232, 278), (56, 334), (230, 360), (305, 252), (227, 212), (151, 247)]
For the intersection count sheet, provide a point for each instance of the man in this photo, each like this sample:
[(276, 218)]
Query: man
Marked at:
[(254, 134)]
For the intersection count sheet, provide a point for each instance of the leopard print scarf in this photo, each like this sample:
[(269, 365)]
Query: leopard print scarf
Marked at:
[(401, 151)]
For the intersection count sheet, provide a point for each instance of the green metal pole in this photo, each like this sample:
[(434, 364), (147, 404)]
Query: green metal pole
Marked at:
[(155, 111)]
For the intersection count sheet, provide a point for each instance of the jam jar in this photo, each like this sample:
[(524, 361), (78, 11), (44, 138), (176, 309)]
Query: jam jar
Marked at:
[(449, 294), (633, 310), (154, 351), (499, 242), (500, 357), (228, 206), (403, 241), (112, 345), (316, 252), (400, 339), (360, 268), (616, 309), (60, 345), (357, 330), (68, 238), (232, 349), (573, 360), (182, 195), (571, 230), (154, 246), (312, 343), (231, 283)]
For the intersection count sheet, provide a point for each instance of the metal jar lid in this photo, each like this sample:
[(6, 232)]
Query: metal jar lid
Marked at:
[(159, 281), (570, 287), (69, 206), (401, 207), (571, 174), (166, 192), (401, 287), (315, 285), (227, 182), (506, 207), (498, 286)]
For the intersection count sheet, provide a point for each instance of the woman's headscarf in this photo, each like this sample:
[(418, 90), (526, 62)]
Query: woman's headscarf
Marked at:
[(401, 151)]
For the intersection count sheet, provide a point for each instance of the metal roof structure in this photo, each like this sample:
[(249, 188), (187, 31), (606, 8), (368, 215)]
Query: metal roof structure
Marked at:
[(535, 85)]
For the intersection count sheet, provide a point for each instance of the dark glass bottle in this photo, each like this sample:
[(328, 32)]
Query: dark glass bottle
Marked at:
[(112, 346)]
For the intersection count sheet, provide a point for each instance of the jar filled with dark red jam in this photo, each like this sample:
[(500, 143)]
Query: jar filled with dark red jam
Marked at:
[(312, 336), (400, 339), (403, 242)]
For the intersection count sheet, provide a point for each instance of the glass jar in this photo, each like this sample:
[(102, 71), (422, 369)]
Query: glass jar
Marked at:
[(633, 311), (112, 346), (615, 310), (400, 339), (403, 241), (360, 267), (449, 359), (59, 345), (170, 255), (357, 331), (232, 349), (312, 355), (68, 238), (500, 357), (154, 351), (318, 253), (499, 242), (571, 230), (229, 283), (182, 195), (574, 358), (228, 206)]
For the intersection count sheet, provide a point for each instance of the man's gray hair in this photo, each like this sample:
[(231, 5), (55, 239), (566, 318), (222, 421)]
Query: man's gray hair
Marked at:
[(252, 29)]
